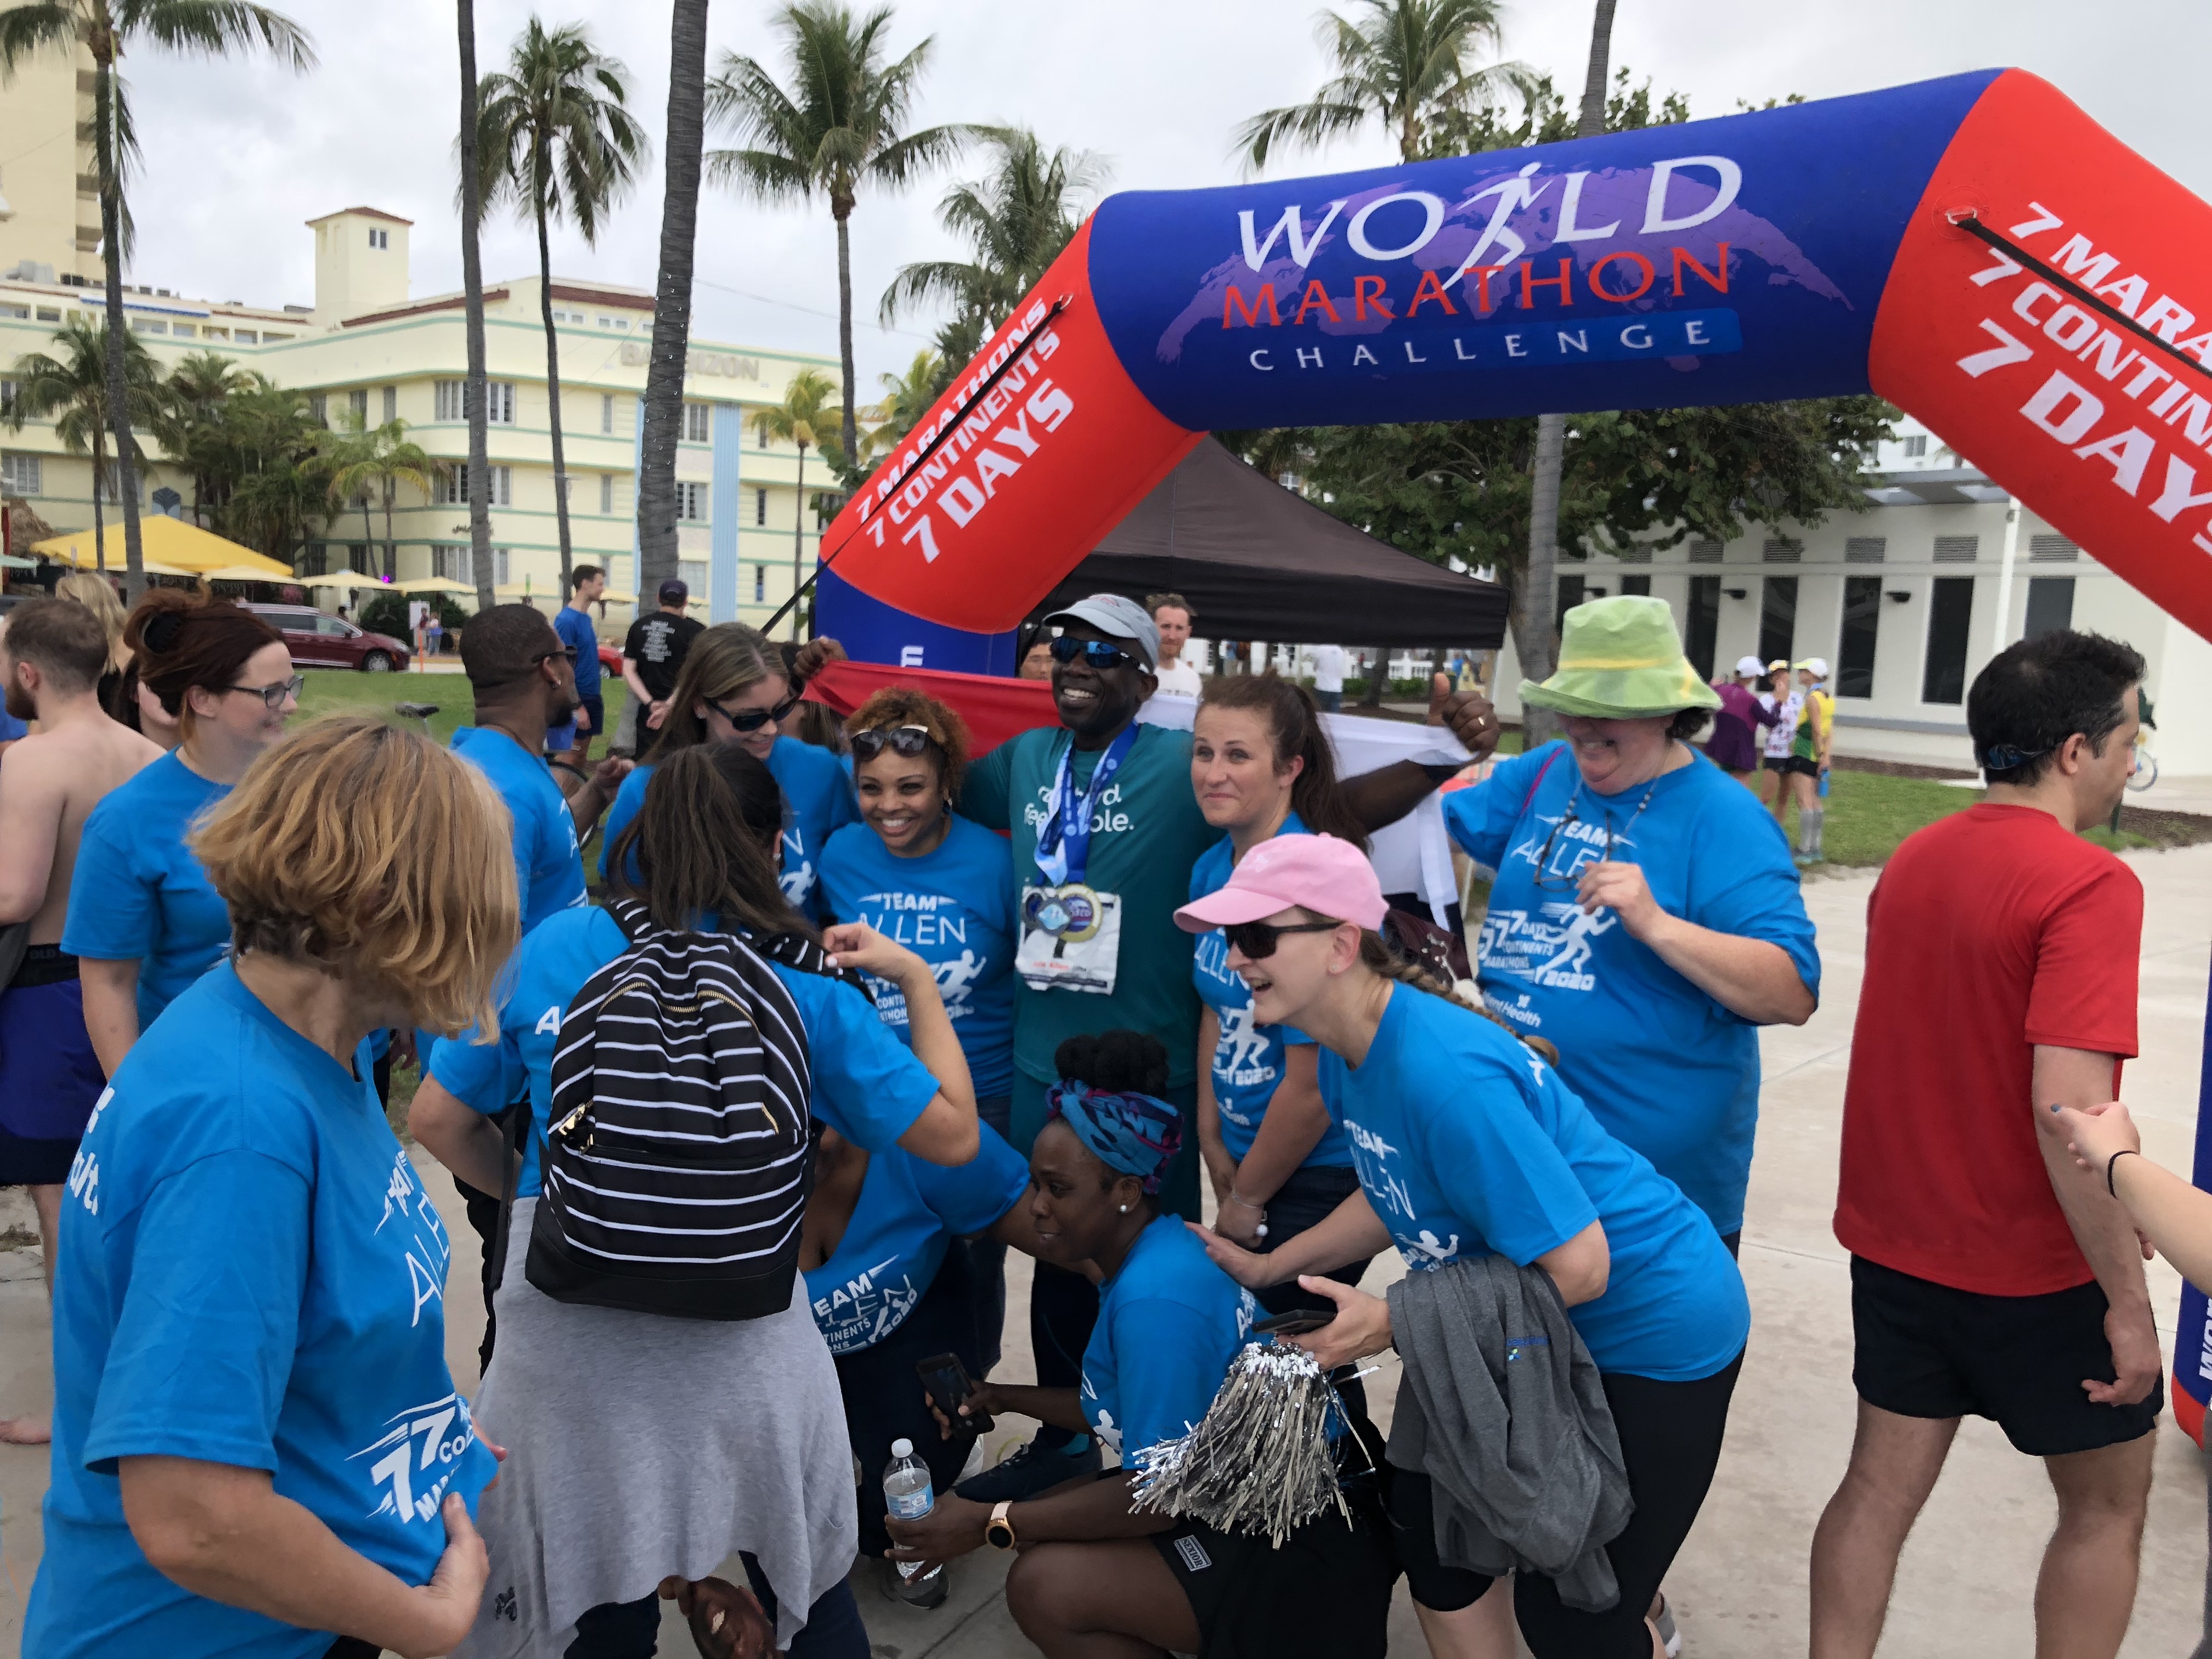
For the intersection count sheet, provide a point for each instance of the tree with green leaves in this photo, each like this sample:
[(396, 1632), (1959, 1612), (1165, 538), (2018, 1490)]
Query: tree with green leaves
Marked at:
[(663, 425), (798, 419), (839, 127), (380, 458), (1015, 221), (289, 489), (906, 399), (555, 138), (194, 396), (106, 29), (71, 388), (1406, 64)]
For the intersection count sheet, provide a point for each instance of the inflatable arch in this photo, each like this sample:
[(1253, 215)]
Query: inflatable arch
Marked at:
[(1975, 249)]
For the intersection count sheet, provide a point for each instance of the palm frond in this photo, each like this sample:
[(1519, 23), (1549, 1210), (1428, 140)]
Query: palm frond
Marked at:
[(28, 30), (762, 174), (216, 28)]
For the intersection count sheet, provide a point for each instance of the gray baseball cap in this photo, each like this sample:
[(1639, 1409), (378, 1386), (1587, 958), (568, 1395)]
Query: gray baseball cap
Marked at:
[(1123, 619)]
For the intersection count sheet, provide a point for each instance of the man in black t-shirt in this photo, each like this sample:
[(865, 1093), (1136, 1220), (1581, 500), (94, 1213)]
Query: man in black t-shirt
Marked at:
[(653, 656)]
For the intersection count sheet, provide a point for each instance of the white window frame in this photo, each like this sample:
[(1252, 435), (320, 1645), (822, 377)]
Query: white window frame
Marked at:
[(22, 474), (695, 574), (606, 493), (391, 405), (607, 411), (698, 426), (693, 502), (456, 492)]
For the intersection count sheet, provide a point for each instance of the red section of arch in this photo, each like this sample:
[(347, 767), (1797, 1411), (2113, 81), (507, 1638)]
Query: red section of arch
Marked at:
[(2104, 434), (1054, 456)]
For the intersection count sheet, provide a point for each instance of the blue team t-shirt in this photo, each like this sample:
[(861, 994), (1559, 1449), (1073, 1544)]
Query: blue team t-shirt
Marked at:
[(251, 1273), (954, 907), (909, 1210), (1467, 1144), (1661, 1064), (817, 801), (866, 1087), (1250, 1059), (576, 632), (1169, 1323), (138, 893), (11, 728), (548, 869)]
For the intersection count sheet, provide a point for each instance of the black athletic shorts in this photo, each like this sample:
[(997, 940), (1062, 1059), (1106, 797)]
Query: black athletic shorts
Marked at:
[(1927, 1349), (1325, 1594), (1795, 765)]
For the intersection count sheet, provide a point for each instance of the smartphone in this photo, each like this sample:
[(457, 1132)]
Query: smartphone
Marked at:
[(1297, 1323), (946, 1379)]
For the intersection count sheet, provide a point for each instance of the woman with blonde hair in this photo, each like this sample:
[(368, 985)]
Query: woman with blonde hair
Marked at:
[(257, 1445), (733, 687), (96, 593)]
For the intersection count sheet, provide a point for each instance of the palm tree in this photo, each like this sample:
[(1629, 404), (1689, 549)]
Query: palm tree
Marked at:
[(193, 399), (555, 137), (105, 29), (837, 129), (906, 399), (671, 306), (1404, 63), (474, 389), (381, 457), (71, 389), (797, 419), (1015, 221), (1535, 628)]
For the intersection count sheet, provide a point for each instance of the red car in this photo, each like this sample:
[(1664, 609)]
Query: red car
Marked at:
[(317, 641)]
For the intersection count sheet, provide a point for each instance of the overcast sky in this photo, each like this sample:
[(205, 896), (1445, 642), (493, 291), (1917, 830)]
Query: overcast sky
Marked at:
[(238, 155)]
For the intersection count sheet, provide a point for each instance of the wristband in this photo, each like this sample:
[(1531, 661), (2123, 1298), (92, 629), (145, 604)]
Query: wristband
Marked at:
[(2124, 1152), (999, 1530)]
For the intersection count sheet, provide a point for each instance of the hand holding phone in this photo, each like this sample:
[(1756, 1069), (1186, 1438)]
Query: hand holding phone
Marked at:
[(1297, 1323), (949, 1388)]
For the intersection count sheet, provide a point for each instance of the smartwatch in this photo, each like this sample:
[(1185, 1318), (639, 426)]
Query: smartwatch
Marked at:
[(999, 1530)]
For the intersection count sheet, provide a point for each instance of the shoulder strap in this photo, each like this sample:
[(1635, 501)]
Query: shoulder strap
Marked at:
[(1530, 797)]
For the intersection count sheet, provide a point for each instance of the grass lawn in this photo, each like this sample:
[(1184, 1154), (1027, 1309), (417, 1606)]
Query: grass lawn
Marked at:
[(347, 692)]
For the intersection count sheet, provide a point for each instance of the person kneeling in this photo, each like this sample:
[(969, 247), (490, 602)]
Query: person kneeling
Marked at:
[(1170, 1324)]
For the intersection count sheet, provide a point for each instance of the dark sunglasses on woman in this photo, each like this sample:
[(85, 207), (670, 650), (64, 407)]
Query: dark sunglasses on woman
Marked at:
[(1256, 940), (1097, 654), (751, 720), (906, 741)]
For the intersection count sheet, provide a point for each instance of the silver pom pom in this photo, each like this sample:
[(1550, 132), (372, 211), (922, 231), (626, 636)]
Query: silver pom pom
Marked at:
[(1261, 1462)]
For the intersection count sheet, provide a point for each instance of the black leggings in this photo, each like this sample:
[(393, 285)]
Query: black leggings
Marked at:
[(1670, 1439)]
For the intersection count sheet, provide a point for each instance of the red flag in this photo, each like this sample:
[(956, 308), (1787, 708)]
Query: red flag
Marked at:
[(995, 709)]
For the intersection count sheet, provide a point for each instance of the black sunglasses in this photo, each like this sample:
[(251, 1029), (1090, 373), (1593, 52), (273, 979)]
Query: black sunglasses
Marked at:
[(906, 741), (751, 720), (1097, 654), (273, 695), (1256, 940), (567, 651)]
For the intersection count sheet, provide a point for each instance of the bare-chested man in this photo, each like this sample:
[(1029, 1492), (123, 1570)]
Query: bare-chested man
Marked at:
[(51, 660)]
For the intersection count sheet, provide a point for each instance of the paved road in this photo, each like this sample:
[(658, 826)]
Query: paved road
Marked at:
[(1740, 1586)]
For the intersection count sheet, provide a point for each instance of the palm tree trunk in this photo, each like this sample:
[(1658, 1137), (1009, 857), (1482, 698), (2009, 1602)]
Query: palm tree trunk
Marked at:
[(1535, 626), (99, 525), (798, 540), (472, 289), (119, 407), (672, 308), (390, 548), (848, 431), (553, 394)]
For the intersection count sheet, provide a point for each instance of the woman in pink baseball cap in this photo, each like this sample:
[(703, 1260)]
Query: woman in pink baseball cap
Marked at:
[(1468, 1145)]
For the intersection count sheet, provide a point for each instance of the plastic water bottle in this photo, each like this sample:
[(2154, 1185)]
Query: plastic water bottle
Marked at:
[(908, 1495)]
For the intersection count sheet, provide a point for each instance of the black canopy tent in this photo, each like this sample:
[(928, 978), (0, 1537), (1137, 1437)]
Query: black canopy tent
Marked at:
[(1258, 562)]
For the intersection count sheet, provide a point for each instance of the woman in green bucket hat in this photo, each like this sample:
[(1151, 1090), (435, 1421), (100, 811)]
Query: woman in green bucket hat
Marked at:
[(1646, 917)]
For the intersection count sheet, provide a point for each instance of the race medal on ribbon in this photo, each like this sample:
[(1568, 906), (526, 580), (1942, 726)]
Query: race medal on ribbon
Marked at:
[(1071, 913)]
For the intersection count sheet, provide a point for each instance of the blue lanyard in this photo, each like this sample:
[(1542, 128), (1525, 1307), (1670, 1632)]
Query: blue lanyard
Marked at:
[(1063, 848)]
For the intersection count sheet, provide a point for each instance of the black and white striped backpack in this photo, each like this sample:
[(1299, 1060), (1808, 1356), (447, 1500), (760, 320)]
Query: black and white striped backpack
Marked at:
[(677, 1169)]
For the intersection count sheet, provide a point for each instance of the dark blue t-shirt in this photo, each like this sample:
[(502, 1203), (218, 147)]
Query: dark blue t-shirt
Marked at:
[(865, 1086), (251, 1273), (1661, 1065), (1250, 1059), (954, 907), (548, 870), (1169, 1323), (138, 893), (576, 630), (1467, 1144), (909, 1210)]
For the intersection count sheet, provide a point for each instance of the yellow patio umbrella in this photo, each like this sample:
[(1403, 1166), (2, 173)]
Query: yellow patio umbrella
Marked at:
[(348, 578), (429, 585), (243, 573), (183, 549)]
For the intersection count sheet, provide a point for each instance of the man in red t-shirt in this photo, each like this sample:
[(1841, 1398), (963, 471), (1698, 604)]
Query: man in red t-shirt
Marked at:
[(2000, 984)]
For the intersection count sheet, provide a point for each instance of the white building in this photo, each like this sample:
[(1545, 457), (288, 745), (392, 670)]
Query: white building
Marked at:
[(1906, 601)]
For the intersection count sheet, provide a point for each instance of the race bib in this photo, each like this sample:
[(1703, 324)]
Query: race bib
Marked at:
[(1070, 939)]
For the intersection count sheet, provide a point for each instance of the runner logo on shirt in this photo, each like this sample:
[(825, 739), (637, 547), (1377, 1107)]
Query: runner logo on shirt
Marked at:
[(864, 1310), (1242, 1047), (417, 1441)]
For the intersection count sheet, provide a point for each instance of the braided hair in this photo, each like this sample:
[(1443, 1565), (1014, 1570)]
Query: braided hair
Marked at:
[(1381, 957)]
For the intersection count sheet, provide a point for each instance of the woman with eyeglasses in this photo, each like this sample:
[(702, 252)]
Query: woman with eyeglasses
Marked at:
[(733, 687), (1646, 918), (143, 922), (944, 887), (1468, 1145)]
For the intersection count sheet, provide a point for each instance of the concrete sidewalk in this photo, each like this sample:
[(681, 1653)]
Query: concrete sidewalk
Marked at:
[(1739, 1588)]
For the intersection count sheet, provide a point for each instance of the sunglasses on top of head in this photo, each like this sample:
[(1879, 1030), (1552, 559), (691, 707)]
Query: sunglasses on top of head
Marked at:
[(1096, 654), (751, 720), (903, 740), (1256, 940)]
